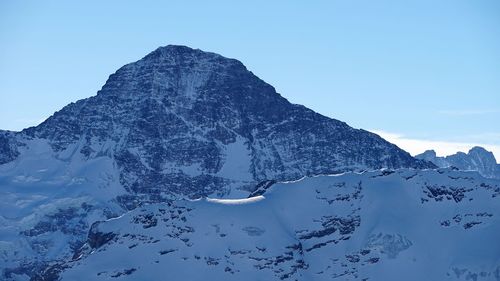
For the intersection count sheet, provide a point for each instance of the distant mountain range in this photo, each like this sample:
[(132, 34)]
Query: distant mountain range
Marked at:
[(187, 166), (477, 159)]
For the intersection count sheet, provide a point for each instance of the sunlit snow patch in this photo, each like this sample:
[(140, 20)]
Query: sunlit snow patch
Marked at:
[(236, 201)]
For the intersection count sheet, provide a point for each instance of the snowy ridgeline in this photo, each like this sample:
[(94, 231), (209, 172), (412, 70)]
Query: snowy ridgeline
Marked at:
[(383, 225)]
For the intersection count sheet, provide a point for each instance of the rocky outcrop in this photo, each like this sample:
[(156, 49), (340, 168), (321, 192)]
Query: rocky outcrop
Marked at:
[(97, 237), (8, 147)]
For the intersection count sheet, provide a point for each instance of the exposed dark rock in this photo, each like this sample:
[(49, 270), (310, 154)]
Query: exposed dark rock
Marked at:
[(8, 147), (178, 109), (96, 238)]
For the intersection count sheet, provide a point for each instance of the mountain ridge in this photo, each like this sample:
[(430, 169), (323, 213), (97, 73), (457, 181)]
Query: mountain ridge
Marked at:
[(477, 159)]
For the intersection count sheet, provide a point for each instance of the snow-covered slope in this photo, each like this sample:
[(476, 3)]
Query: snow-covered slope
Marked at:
[(383, 225), (48, 204), (477, 159)]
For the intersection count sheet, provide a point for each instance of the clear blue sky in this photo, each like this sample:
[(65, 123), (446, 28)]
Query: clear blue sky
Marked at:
[(414, 70)]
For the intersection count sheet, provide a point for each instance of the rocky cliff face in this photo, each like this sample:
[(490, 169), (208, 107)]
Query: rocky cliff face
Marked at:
[(184, 121), (477, 159), (8, 147)]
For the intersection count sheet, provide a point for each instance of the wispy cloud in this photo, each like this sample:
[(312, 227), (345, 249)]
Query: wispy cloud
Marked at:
[(442, 148), (468, 112), (489, 138)]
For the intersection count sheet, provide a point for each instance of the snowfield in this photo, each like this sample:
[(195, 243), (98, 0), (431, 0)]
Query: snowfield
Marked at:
[(382, 225), (236, 201)]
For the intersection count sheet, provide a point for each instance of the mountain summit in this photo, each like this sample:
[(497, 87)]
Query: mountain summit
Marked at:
[(477, 159), (184, 121)]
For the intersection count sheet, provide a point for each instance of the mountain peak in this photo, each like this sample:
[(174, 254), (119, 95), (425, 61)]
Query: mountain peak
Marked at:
[(482, 156), (478, 159), (176, 70), (479, 150), (180, 55), (429, 154), (178, 51), (185, 121), (177, 48)]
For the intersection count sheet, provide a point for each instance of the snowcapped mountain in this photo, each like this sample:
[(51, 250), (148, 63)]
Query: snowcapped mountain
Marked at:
[(477, 159), (136, 163), (184, 121)]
